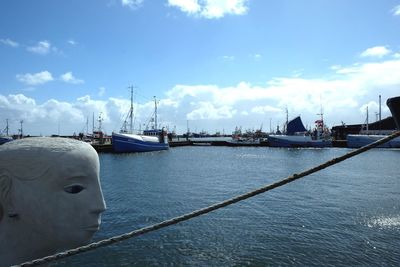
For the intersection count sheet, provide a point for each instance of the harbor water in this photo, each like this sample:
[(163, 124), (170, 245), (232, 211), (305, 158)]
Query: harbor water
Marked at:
[(345, 215)]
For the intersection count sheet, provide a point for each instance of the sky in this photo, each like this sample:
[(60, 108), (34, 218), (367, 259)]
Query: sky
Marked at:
[(213, 65)]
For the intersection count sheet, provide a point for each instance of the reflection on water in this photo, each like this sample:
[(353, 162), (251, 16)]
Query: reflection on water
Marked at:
[(342, 216), (385, 222)]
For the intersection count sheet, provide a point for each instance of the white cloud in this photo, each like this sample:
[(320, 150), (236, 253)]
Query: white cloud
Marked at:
[(343, 93), (36, 78), (69, 78), (396, 10), (228, 58), (377, 51), (102, 91), (187, 6), (265, 109), (207, 110), (256, 57), (72, 42), (341, 96), (211, 9), (345, 70), (42, 48), (133, 4), (9, 42)]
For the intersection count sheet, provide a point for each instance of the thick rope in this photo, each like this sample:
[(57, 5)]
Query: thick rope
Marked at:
[(187, 216)]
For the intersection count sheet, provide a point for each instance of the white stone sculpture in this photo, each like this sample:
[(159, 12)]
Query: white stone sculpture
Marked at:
[(50, 197)]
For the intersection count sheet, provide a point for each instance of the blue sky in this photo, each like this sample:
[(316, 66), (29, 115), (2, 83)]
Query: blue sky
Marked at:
[(215, 63)]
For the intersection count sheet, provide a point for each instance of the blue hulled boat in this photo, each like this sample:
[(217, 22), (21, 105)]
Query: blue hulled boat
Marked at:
[(298, 136), (5, 139), (360, 140), (150, 140)]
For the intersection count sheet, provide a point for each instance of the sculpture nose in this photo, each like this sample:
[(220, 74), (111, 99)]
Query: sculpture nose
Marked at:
[(100, 208), (99, 205)]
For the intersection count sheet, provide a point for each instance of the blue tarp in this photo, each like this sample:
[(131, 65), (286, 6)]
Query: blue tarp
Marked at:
[(295, 125)]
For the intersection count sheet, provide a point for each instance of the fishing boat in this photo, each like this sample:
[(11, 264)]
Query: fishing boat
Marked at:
[(296, 135), (249, 138), (149, 140), (4, 138), (367, 136)]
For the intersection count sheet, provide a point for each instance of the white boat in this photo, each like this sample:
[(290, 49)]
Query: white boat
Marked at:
[(297, 141), (298, 136)]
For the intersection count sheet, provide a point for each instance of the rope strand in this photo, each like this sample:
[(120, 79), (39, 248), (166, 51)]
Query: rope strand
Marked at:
[(208, 209)]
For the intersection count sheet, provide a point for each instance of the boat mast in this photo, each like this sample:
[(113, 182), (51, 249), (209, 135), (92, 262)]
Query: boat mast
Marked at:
[(380, 112), (322, 117), (100, 119), (380, 108), (287, 120), (21, 130), (131, 111), (93, 123), (367, 122), (87, 125), (7, 127), (155, 113)]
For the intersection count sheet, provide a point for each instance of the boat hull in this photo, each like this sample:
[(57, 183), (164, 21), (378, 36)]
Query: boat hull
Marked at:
[(394, 106), (297, 141), (5, 139), (123, 143), (243, 143), (359, 140)]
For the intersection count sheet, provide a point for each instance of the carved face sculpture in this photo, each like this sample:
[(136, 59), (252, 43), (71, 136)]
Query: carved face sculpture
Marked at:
[(63, 205)]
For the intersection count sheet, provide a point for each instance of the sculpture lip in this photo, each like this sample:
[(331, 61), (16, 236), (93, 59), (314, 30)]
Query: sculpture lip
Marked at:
[(93, 228)]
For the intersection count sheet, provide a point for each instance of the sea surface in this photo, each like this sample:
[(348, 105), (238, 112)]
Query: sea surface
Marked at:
[(345, 215)]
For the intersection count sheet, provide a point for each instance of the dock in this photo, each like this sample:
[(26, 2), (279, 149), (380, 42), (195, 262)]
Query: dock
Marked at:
[(107, 148)]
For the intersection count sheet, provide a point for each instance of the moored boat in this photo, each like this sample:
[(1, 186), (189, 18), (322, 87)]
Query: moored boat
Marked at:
[(365, 138), (394, 106), (297, 141), (126, 142), (359, 140), (298, 136), (5, 139), (150, 140)]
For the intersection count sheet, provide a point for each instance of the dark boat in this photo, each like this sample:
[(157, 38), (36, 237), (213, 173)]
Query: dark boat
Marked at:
[(360, 140), (5, 139), (394, 106)]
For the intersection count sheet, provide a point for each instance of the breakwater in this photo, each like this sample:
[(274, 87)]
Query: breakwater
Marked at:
[(107, 148)]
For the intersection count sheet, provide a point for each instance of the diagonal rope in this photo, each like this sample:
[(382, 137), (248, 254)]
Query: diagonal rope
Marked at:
[(187, 216)]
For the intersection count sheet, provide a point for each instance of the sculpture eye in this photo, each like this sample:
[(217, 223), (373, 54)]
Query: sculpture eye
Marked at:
[(73, 189)]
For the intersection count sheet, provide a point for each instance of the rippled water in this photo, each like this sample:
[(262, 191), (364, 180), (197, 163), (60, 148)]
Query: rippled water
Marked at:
[(346, 215)]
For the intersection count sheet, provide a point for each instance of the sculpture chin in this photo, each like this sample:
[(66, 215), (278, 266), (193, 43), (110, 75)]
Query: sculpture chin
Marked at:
[(53, 186), (93, 228)]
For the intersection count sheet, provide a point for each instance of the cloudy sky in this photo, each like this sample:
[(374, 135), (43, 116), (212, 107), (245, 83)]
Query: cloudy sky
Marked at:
[(213, 64)]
